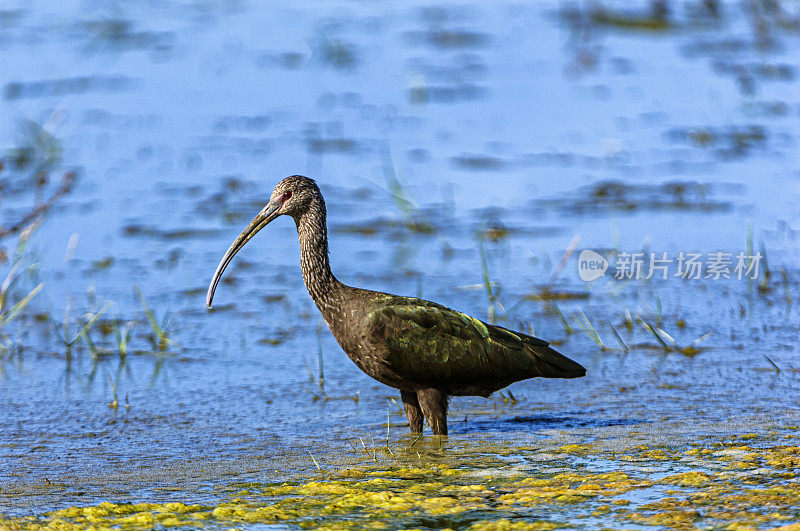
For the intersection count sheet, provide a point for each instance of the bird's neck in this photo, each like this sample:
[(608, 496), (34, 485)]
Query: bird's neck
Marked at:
[(314, 260)]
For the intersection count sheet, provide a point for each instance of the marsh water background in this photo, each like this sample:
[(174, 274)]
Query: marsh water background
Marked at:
[(433, 130)]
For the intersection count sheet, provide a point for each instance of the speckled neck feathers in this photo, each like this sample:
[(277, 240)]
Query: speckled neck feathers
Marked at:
[(314, 261)]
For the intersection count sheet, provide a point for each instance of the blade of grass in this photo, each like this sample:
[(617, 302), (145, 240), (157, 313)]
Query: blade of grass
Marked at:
[(88, 326), (786, 291), (122, 335), (160, 334), (20, 305), (619, 338), (587, 326), (308, 368), (315, 461), (666, 335), (93, 349), (567, 327), (771, 362), (701, 338), (115, 404), (650, 329), (487, 282), (511, 397), (320, 361), (13, 275), (364, 445)]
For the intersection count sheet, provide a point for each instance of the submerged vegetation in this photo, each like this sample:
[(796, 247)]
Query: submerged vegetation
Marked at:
[(31, 162), (740, 480)]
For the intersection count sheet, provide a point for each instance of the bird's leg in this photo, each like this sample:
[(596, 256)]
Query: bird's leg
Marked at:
[(414, 414), (434, 406)]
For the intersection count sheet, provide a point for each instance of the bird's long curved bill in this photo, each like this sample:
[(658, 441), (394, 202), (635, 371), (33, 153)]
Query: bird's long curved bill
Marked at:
[(263, 218)]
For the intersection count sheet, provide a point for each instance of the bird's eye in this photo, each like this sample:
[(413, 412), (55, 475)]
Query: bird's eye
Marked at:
[(286, 195)]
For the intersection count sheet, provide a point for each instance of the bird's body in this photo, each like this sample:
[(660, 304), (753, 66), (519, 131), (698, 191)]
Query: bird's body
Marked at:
[(414, 344), (427, 351)]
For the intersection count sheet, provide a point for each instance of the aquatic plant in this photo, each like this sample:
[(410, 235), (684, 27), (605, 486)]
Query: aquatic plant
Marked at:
[(114, 404), (160, 336), (590, 330), (35, 156), (741, 480), (8, 314), (319, 379), (416, 220), (122, 335), (67, 339), (492, 289)]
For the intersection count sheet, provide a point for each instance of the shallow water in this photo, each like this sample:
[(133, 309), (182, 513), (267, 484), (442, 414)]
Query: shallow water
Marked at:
[(427, 127)]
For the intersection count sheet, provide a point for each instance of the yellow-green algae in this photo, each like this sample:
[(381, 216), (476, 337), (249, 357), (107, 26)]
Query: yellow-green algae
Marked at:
[(744, 482)]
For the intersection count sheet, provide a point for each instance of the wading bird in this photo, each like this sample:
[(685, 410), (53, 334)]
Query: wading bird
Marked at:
[(427, 351)]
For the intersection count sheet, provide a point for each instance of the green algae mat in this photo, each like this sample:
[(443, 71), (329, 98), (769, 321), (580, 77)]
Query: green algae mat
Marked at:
[(622, 478)]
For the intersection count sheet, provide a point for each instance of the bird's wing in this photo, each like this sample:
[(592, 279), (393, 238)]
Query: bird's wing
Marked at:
[(434, 345)]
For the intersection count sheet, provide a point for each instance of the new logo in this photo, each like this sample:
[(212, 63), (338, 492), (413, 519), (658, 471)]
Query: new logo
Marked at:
[(591, 265)]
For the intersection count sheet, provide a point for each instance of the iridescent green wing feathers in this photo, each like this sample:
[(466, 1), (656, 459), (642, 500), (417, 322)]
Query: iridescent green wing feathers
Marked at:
[(433, 344)]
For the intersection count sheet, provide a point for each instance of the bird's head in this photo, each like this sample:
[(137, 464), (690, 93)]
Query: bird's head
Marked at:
[(293, 196)]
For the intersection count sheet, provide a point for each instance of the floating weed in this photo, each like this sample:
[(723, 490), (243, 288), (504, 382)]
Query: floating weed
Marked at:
[(546, 293), (105, 263), (655, 21), (731, 482)]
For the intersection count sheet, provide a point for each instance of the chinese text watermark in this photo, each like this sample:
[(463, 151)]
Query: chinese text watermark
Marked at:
[(687, 265)]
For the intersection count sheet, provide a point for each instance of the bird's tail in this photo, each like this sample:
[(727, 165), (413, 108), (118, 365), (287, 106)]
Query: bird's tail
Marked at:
[(551, 364)]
